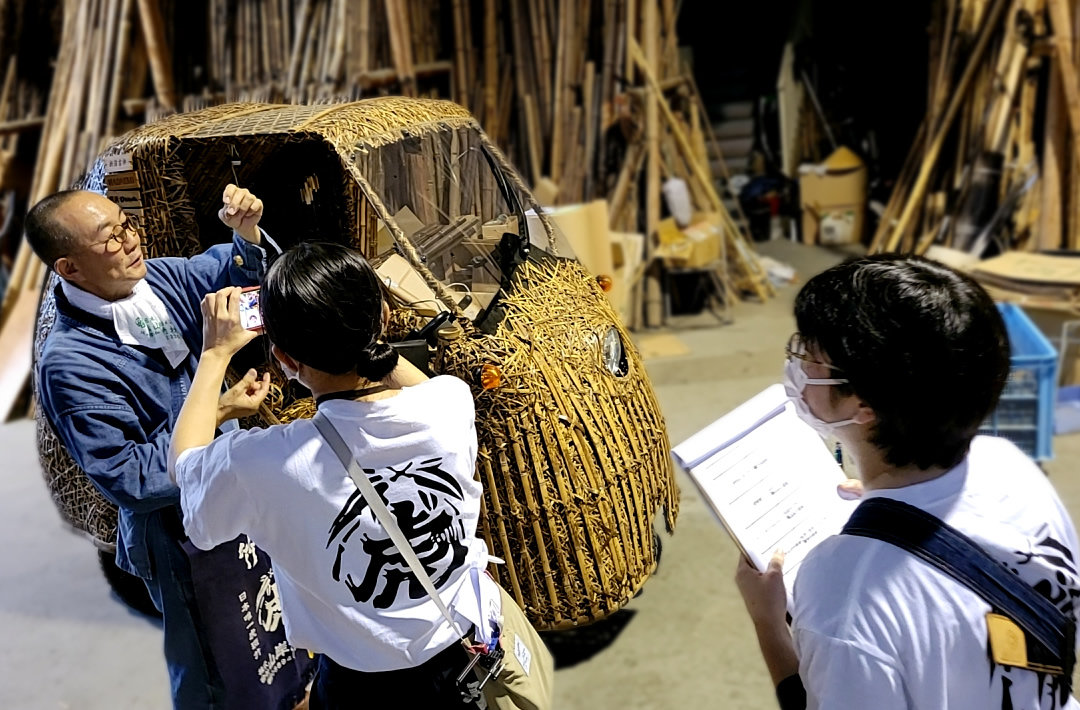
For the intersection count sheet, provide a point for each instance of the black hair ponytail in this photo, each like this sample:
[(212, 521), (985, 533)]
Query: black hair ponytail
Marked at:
[(323, 305), (376, 361)]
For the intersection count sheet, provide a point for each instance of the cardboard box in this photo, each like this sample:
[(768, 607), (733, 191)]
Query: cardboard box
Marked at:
[(409, 286), (406, 220), (705, 239), (627, 253), (697, 246), (832, 196), (585, 226), (669, 233)]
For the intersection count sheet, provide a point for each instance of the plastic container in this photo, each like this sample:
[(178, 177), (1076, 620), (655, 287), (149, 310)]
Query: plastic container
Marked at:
[(1025, 413), (1067, 410)]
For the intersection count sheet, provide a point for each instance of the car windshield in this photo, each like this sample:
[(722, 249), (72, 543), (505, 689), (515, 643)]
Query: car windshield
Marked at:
[(464, 216)]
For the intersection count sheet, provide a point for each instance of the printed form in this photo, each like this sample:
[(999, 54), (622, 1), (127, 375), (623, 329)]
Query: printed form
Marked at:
[(769, 478)]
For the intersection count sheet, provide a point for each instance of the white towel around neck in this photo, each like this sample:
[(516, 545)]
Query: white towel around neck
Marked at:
[(140, 319)]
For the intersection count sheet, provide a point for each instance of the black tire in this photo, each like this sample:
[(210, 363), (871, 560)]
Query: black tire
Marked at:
[(130, 589)]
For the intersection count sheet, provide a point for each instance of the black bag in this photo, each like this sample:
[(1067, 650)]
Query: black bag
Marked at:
[(241, 611)]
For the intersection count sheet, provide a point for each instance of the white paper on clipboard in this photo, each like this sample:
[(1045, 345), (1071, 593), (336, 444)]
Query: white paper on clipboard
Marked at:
[(770, 480)]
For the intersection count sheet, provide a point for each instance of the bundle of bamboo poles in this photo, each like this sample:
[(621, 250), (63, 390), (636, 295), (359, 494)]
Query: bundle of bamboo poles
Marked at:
[(81, 112), (994, 164), (587, 98)]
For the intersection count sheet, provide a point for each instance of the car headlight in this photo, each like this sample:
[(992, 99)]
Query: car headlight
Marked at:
[(613, 354)]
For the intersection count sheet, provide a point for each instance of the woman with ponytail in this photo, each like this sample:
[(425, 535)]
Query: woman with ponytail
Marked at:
[(344, 589)]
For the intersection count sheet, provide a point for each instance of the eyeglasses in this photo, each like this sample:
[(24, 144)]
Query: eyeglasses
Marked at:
[(119, 234), (796, 348)]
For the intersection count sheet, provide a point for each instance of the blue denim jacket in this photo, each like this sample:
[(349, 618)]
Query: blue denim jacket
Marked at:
[(114, 405)]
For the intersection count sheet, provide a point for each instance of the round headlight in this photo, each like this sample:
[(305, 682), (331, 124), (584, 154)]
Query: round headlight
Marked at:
[(613, 353)]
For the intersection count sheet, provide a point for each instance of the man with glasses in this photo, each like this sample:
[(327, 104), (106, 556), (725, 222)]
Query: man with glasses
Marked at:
[(113, 374), (901, 360)]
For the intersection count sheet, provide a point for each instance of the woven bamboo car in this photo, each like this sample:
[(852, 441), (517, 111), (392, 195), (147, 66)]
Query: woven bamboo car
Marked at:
[(573, 451)]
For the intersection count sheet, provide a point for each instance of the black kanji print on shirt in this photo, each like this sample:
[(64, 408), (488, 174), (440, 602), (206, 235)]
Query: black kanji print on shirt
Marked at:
[(424, 500), (1049, 567)]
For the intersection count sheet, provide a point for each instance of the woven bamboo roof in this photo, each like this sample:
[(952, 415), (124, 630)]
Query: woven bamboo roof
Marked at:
[(372, 121)]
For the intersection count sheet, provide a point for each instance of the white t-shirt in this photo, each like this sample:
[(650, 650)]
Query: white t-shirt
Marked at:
[(877, 628), (344, 589)]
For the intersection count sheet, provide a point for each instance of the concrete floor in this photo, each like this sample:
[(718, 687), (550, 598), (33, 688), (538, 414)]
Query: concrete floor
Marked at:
[(685, 642)]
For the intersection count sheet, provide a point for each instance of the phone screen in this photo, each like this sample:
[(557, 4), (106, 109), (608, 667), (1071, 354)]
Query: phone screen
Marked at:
[(250, 314)]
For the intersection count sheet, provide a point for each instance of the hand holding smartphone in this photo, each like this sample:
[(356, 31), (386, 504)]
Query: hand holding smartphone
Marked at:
[(250, 313)]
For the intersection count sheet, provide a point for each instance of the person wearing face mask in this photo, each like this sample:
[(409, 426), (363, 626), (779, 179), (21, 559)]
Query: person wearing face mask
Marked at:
[(901, 359), (347, 591), (113, 373)]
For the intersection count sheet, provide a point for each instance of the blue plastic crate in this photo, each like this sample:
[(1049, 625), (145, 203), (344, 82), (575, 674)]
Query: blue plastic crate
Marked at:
[(1025, 414)]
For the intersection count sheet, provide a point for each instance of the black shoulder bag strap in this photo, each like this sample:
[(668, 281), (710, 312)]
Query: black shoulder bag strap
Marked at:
[(1049, 635)]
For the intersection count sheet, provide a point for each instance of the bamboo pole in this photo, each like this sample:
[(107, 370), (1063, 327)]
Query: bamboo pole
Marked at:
[(1063, 44), (632, 163), (336, 71), (671, 46), (8, 90), (158, 51), (648, 63), (944, 67), (104, 44), (303, 12), (743, 251), (364, 62), (405, 35), (491, 70), (558, 109), (461, 79), (119, 66), (21, 125), (591, 102), (688, 77), (915, 197), (76, 94), (532, 139), (907, 174), (541, 54)]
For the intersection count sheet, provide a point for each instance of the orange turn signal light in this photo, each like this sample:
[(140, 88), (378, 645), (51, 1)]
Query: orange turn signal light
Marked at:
[(606, 284), (490, 376)]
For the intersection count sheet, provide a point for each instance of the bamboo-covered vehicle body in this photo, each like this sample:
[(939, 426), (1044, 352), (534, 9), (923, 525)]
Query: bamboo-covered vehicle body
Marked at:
[(573, 453)]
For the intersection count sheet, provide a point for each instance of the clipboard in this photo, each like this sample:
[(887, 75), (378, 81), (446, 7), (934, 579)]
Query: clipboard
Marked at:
[(769, 479)]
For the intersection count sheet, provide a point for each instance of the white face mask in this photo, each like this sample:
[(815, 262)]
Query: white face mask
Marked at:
[(795, 382), (290, 374)]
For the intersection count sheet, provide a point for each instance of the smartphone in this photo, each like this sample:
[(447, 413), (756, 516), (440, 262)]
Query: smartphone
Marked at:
[(250, 313)]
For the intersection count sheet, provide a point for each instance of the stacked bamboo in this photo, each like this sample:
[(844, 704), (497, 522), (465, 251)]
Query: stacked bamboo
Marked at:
[(991, 165), (585, 97), (81, 111)]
